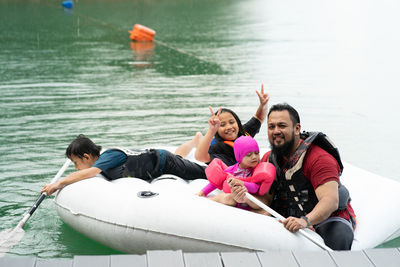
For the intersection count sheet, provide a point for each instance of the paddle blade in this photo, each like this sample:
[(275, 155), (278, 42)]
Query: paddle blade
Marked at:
[(9, 238)]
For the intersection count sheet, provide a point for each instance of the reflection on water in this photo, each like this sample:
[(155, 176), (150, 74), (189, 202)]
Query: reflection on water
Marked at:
[(173, 62), (170, 61), (142, 53), (66, 73)]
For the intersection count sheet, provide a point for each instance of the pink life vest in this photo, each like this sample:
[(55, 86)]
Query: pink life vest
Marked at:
[(263, 174)]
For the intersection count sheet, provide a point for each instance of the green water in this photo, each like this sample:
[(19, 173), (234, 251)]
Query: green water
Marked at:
[(66, 72)]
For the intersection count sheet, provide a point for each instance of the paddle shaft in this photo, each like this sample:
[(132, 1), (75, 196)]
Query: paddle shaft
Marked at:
[(43, 196), (280, 217)]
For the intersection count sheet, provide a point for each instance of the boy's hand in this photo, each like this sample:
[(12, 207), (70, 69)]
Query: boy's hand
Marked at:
[(50, 188)]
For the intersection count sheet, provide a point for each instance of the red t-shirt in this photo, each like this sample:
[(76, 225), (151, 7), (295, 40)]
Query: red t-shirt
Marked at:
[(321, 167)]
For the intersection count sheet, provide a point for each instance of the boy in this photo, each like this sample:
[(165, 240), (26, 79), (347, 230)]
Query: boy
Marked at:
[(117, 163)]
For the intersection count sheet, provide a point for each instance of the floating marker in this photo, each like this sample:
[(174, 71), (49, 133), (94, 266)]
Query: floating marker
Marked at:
[(142, 33), (68, 4)]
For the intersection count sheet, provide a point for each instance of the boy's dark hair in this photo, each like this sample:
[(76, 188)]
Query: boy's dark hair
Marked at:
[(239, 123), (294, 116), (82, 145)]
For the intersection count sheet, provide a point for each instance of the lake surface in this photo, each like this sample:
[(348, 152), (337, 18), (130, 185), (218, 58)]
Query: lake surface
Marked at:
[(67, 72)]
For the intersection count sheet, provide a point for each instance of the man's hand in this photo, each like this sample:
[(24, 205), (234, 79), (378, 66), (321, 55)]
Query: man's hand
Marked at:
[(294, 224)]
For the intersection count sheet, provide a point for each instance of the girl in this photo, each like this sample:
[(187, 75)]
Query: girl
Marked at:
[(224, 128), (257, 177)]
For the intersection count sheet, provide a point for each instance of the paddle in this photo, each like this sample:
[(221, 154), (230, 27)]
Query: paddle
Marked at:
[(280, 217), (11, 237)]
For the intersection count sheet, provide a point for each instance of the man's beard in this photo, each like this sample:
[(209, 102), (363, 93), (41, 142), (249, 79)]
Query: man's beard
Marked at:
[(284, 149)]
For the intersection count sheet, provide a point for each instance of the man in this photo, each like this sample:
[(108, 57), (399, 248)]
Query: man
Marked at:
[(307, 189), (117, 163)]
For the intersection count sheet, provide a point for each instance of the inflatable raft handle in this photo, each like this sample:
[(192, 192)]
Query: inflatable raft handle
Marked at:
[(280, 217)]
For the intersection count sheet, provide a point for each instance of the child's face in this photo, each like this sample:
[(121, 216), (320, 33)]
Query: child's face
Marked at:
[(82, 163), (228, 129), (250, 160)]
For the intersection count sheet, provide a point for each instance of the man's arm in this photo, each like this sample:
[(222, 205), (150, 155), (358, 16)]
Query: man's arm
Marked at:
[(72, 178), (328, 202)]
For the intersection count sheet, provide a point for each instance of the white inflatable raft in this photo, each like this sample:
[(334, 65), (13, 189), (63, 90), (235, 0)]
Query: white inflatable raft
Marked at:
[(131, 215)]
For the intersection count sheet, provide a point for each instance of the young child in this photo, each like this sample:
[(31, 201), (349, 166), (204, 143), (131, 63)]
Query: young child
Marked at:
[(257, 177)]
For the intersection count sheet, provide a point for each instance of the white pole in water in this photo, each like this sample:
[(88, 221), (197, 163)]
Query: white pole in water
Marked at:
[(11, 237), (21, 224), (280, 217)]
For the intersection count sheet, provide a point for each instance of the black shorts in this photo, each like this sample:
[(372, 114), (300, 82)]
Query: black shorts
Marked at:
[(152, 163), (179, 166)]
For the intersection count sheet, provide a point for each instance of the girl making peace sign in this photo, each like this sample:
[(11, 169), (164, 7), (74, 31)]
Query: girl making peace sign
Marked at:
[(224, 128)]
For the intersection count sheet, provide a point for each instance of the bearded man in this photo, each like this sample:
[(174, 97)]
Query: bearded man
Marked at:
[(307, 189)]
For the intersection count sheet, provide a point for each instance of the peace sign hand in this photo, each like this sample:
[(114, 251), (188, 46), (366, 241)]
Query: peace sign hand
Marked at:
[(214, 121), (264, 97)]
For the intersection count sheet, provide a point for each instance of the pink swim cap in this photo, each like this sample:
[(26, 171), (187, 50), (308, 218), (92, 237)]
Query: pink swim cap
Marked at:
[(243, 146)]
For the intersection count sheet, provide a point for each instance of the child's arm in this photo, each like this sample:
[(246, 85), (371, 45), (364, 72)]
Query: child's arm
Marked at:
[(251, 187), (261, 112), (72, 178), (205, 142), (238, 191), (207, 190), (107, 160)]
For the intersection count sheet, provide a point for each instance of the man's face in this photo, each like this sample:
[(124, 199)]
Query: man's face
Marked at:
[(281, 132)]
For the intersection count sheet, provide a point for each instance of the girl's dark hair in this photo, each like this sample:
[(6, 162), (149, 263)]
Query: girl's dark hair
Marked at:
[(239, 123), (82, 145)]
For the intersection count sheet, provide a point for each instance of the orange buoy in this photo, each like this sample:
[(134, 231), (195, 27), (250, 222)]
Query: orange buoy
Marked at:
[(142, 33)]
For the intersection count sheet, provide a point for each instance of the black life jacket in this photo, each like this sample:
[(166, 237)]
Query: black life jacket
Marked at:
[(140, 163), (294, 194), (223, 150)]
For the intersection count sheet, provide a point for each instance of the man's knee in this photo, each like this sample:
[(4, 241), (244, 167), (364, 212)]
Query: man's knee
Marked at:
[(339, 241), (337, 235)]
